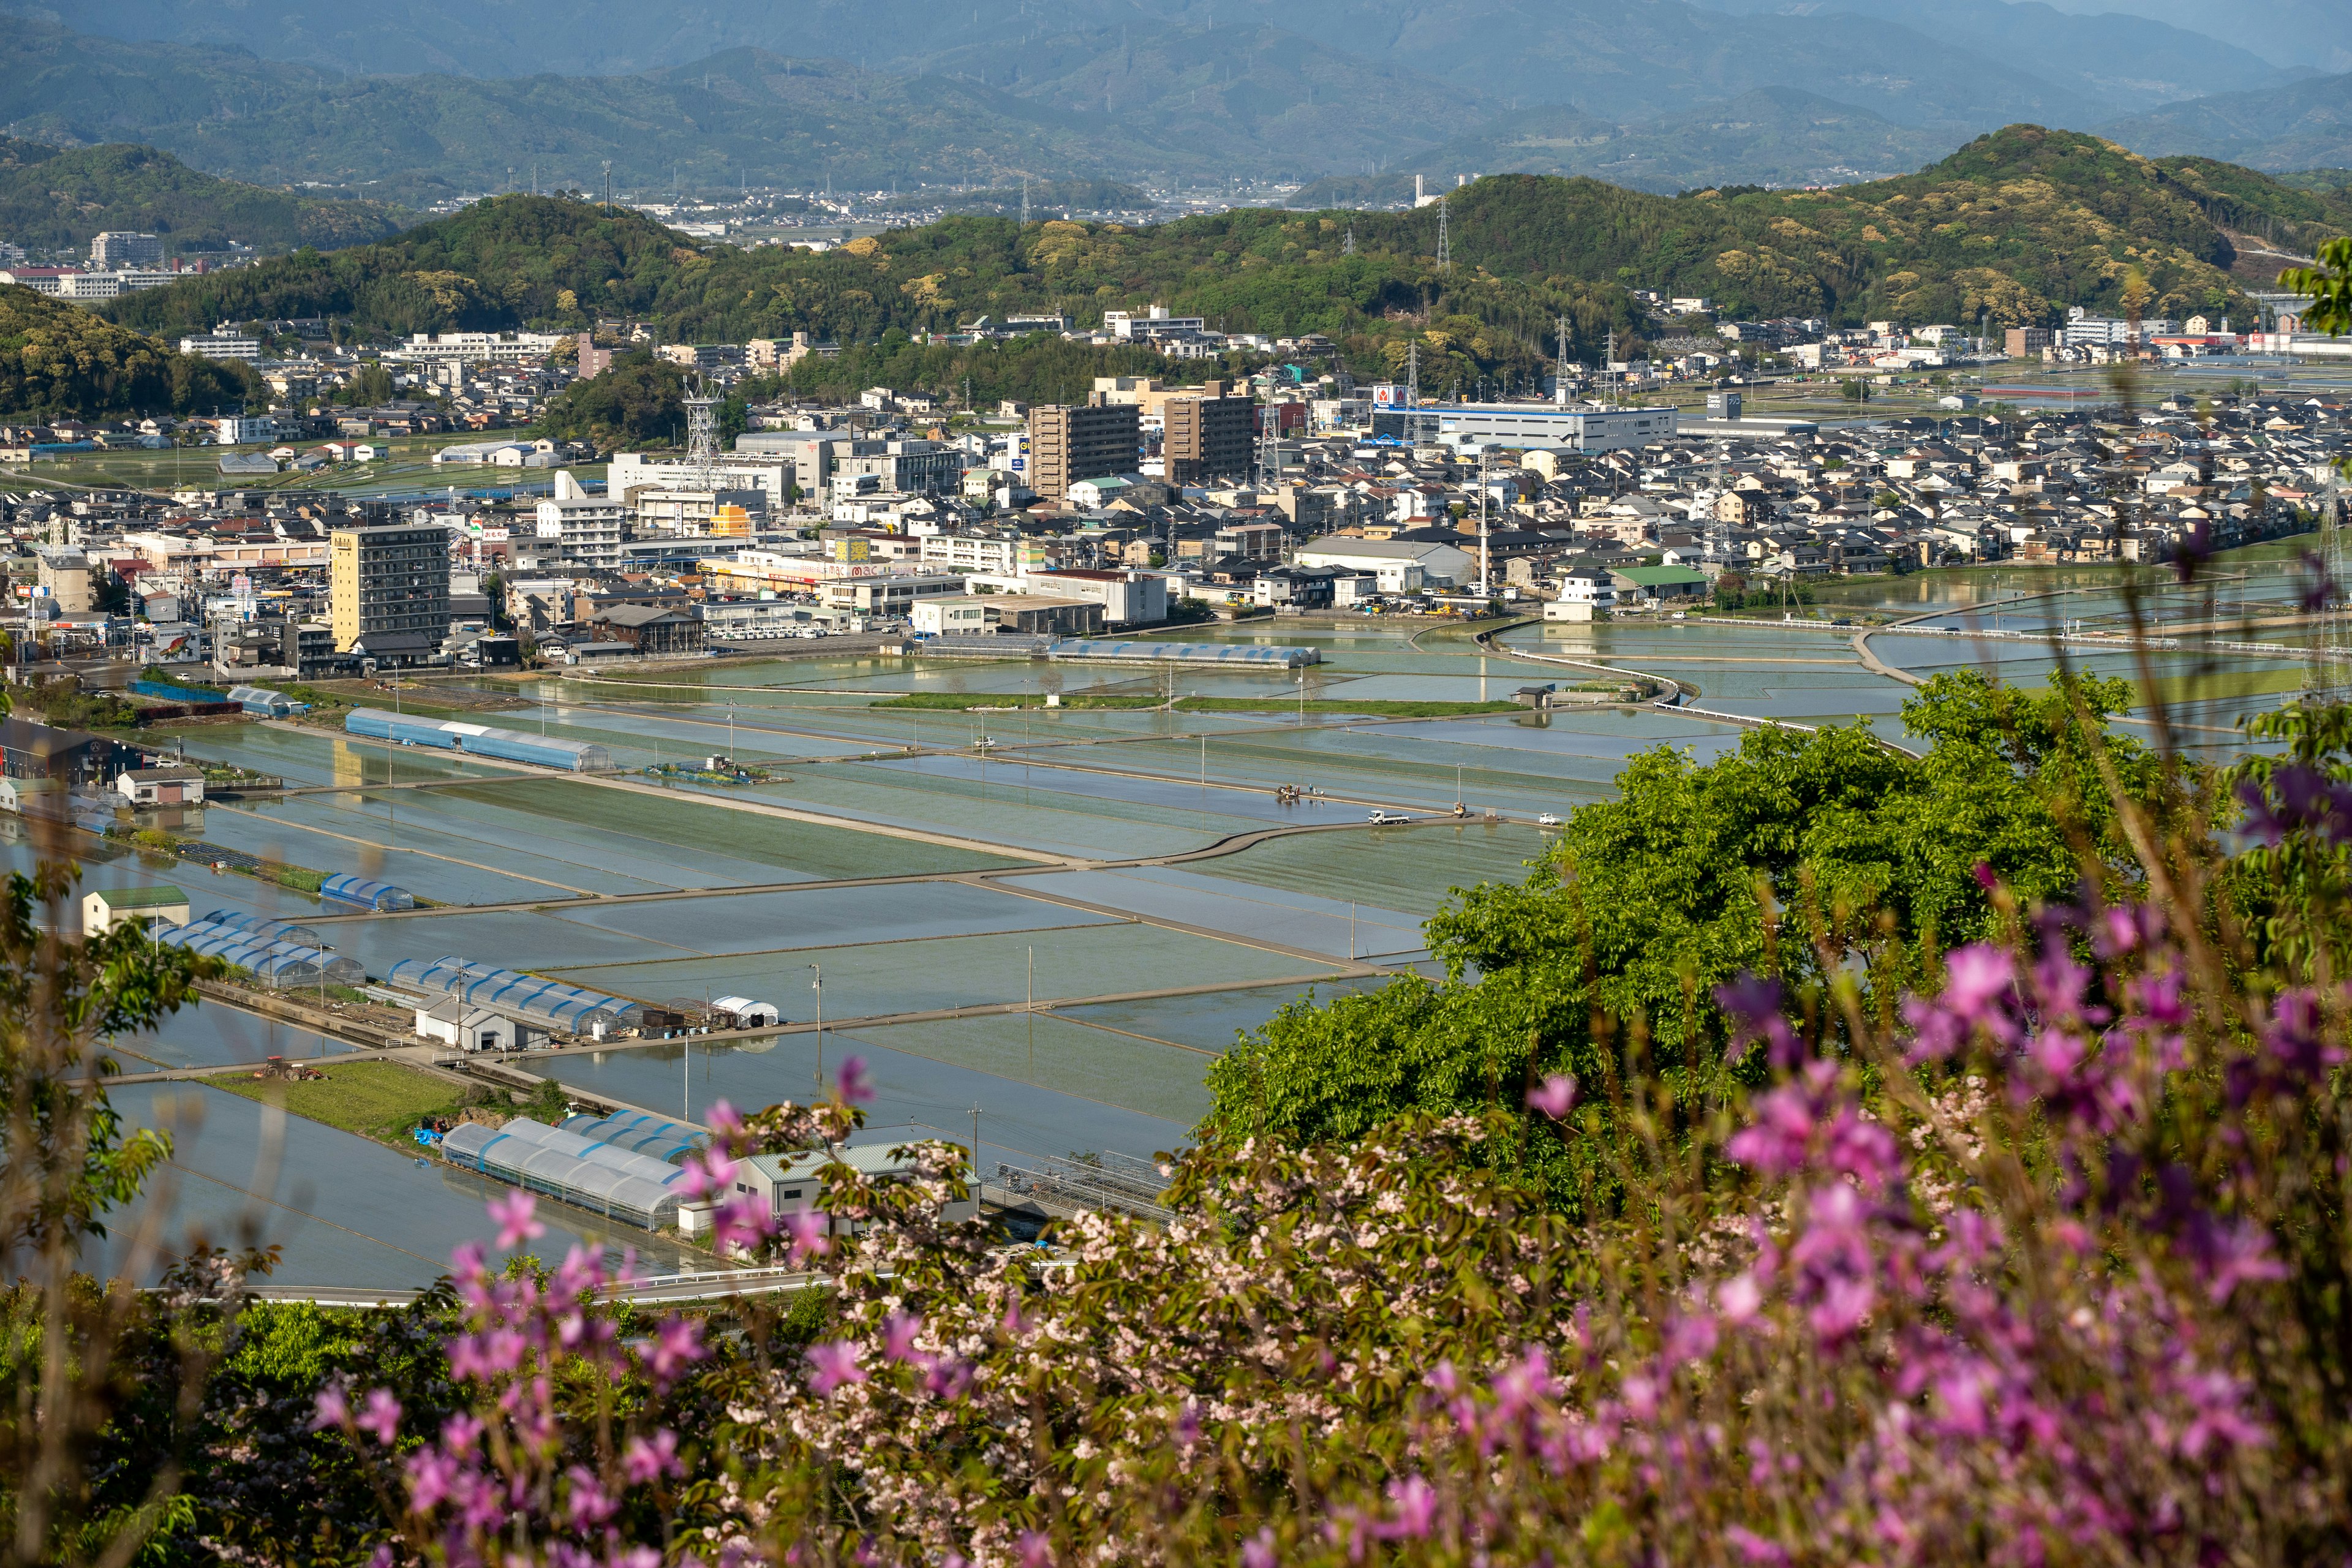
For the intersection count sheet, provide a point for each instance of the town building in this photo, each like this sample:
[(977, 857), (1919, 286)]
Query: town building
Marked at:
[(173, 785), (1207, 437), (388, 589), (105, 908), (1072, 442), (119, 248)]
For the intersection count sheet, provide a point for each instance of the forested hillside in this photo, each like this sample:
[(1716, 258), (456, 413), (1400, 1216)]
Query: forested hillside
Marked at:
[(57, 359), (50, 196), (2017, 225), (500, 263)]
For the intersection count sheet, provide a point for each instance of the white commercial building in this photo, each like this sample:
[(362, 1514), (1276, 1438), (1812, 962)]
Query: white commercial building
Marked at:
[(469, 348), (744, 471), (1400, 566), (1573, 428), (222, 345), (590, 528)]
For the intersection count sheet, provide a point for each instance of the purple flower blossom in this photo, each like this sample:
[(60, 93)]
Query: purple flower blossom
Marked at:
[(432, 1478), (900, 1331), (330, 1408), (854, 1087), (832, 1365), (647, 1461), (1412, 1504), (382, 1417), (1556, 1097), (706, 1172), (676, 1341), (513, 1214), (808, 1229), (1754, 1548), (586, 1503), (1258, 1551), (1036, 1548), (1754, 1004)]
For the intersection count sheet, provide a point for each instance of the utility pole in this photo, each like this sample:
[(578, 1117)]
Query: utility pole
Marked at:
[(608, 188), (1486, 583)]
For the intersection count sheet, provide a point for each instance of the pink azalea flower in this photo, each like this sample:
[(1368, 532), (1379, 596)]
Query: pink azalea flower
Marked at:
[(1036, 1548), (432, 1477), (855, 1088), (832, 1365), (1414, 1505), (900, 1331), (1258, 1551), (1556, 1097), (513, 1214), (330, 1408), (646, 1461), (587, 1503), (676, 1341), (808, 1229), (382, 1417)]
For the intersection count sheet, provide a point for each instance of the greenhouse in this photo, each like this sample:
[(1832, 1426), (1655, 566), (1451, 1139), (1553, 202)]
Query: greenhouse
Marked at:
[(639, 1133), (346, 888), (481, 740), (274, 963), (579, 1171), (262, 925), (1185, 652), (276, 959), (549, 1002)]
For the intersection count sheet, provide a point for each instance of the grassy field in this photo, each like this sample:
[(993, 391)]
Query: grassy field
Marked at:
[(408, 465), (958, 701), (374, 1100)]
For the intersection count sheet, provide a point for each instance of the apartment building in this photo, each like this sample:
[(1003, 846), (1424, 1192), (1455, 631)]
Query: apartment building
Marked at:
[(1208, 436), (119, 248), (590, 527), (1068, 443), (388, 588)]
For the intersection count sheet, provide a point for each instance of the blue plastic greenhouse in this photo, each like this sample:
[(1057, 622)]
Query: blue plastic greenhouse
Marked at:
[(346, 888)]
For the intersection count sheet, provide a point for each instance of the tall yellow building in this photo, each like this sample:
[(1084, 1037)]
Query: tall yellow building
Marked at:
[(388, 589)]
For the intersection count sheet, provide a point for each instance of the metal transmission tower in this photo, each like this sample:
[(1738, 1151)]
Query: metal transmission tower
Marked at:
[(1412, 391), (2328, 672), (1348, 246), (1560, 384), (1024, 201), (702, 435), (1444, 242)]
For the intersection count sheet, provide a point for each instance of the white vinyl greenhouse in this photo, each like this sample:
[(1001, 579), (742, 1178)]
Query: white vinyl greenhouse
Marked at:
[(579, 1171)]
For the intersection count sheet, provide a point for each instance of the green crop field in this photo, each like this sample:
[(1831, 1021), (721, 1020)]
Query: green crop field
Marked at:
[(375, 1100), (408, 465)]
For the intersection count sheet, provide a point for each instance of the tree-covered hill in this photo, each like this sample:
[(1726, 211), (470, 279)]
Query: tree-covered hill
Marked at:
[(58, 361), (498, 264), (2018, 225), (53, 197)]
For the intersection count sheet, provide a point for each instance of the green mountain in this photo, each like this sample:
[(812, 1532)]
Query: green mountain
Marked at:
[(739, 114), (2304, 125), (2018, 225), (1772, 136), (52, 198), (58, 361), (497, 264)]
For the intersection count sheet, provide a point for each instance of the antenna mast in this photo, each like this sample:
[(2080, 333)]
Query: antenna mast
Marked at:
[(702, 436)]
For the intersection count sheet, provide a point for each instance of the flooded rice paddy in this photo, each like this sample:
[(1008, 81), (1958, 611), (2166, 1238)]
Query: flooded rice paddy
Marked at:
[(1052, 918)]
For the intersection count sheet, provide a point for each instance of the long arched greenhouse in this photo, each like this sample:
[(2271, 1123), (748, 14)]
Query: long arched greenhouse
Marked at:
[(273, 960), (551, 1004), (609, 1180)]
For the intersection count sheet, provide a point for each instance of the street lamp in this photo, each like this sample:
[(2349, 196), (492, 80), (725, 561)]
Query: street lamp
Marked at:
[(817, 986)]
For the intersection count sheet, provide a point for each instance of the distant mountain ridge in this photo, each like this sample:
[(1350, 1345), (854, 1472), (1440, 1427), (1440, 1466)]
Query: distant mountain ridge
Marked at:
[(1177, 90), (2304, 125), (1772, 136), (54, 198)]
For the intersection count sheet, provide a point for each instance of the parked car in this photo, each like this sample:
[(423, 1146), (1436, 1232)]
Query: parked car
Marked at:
[(1548, 819)]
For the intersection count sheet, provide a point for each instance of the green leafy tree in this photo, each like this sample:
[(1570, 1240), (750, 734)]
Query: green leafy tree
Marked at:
[(1795, 856)]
